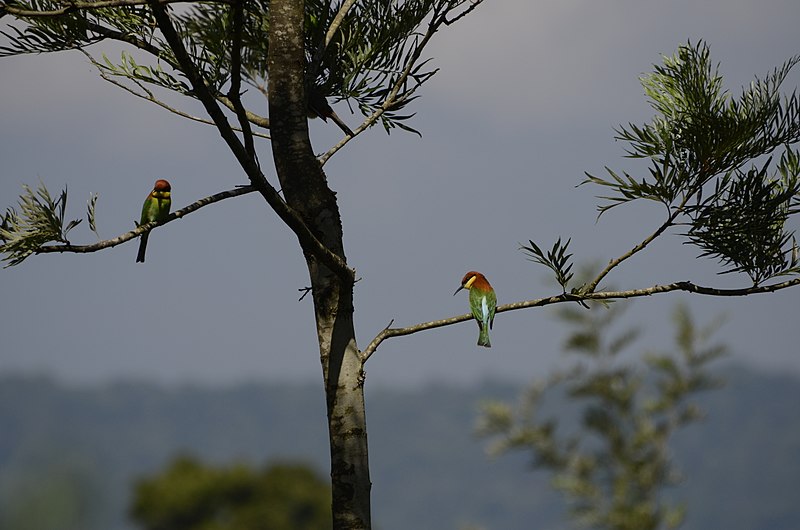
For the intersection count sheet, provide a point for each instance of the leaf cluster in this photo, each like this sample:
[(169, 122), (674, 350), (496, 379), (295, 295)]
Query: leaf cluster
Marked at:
[(698, 145), (74, 28), (743, 223), (614, 464), (556, 259), (50, 34), (39, 220), (372, 60), (374, 46)]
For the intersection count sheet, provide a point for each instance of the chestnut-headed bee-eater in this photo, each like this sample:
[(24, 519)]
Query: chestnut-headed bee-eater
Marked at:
[(482, 302), (155, 208)]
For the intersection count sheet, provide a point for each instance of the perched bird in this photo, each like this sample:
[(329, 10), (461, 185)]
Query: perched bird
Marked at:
[(482, 302), (318, 107), (155, 208)]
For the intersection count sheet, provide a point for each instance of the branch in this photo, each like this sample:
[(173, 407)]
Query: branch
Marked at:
[(690, 287), (109, 33), (107, 243), (252, 117), (337, 21), (6, 8), (234, 94), (641, 246), (475, 3)]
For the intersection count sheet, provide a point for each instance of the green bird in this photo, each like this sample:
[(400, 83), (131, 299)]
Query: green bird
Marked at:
[(482, 302), (155, 208)]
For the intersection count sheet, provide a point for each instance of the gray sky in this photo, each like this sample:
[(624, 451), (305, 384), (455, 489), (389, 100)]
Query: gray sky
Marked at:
[(526, 101)]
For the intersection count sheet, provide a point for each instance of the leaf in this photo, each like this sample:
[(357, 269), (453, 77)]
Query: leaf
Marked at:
[(701, 132), (40, 220), (90, 213), (556, 259)]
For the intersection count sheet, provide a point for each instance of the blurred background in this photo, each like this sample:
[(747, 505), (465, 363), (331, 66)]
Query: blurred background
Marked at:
[(108, 369)]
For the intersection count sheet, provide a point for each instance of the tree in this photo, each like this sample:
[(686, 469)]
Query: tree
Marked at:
[(191, 496), (368, 53), (615, 464), (300, 53)]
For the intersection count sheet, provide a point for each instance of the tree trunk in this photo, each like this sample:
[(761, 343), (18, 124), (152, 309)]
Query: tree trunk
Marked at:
[(306, 190)]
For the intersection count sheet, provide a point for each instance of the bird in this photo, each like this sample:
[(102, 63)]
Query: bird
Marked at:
[(318, 107), (155, 208), (482, 302)]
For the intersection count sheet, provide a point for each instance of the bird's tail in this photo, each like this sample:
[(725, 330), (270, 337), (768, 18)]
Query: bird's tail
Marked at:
[(483, 338), (142, 248), (342, 125)]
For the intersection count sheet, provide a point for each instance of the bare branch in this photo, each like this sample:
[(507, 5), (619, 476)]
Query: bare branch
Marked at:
[(475, 3), (108, 243), (305, 291), (589, 288), (252, 117), (690, 287)]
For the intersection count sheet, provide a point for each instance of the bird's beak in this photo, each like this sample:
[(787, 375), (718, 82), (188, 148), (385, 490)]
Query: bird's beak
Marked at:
[(455, 293)]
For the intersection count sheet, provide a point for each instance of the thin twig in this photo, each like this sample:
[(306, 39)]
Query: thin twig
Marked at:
[(128, 38), (475, 3), (235, 92), (149, 96), (690, 287), (143, 45), (127, 236), (252, 117), (89, 6), (305, 291), (591, 286)]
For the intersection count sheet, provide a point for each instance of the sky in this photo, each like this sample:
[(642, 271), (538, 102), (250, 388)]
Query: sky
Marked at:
[(526, 101)]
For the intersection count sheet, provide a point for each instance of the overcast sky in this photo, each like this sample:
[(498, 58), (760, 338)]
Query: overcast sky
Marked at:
[(525, 102)]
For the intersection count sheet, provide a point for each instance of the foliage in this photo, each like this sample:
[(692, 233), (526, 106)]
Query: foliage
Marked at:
[(40, 220), (700, 131), (615, 465), (556, 259), (372, 60), (192, 496), (704, 147), (743, 222)]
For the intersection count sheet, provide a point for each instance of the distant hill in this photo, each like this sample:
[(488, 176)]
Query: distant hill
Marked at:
[(68, 455)]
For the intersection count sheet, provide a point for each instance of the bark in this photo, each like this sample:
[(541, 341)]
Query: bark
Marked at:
[(306, 190)]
